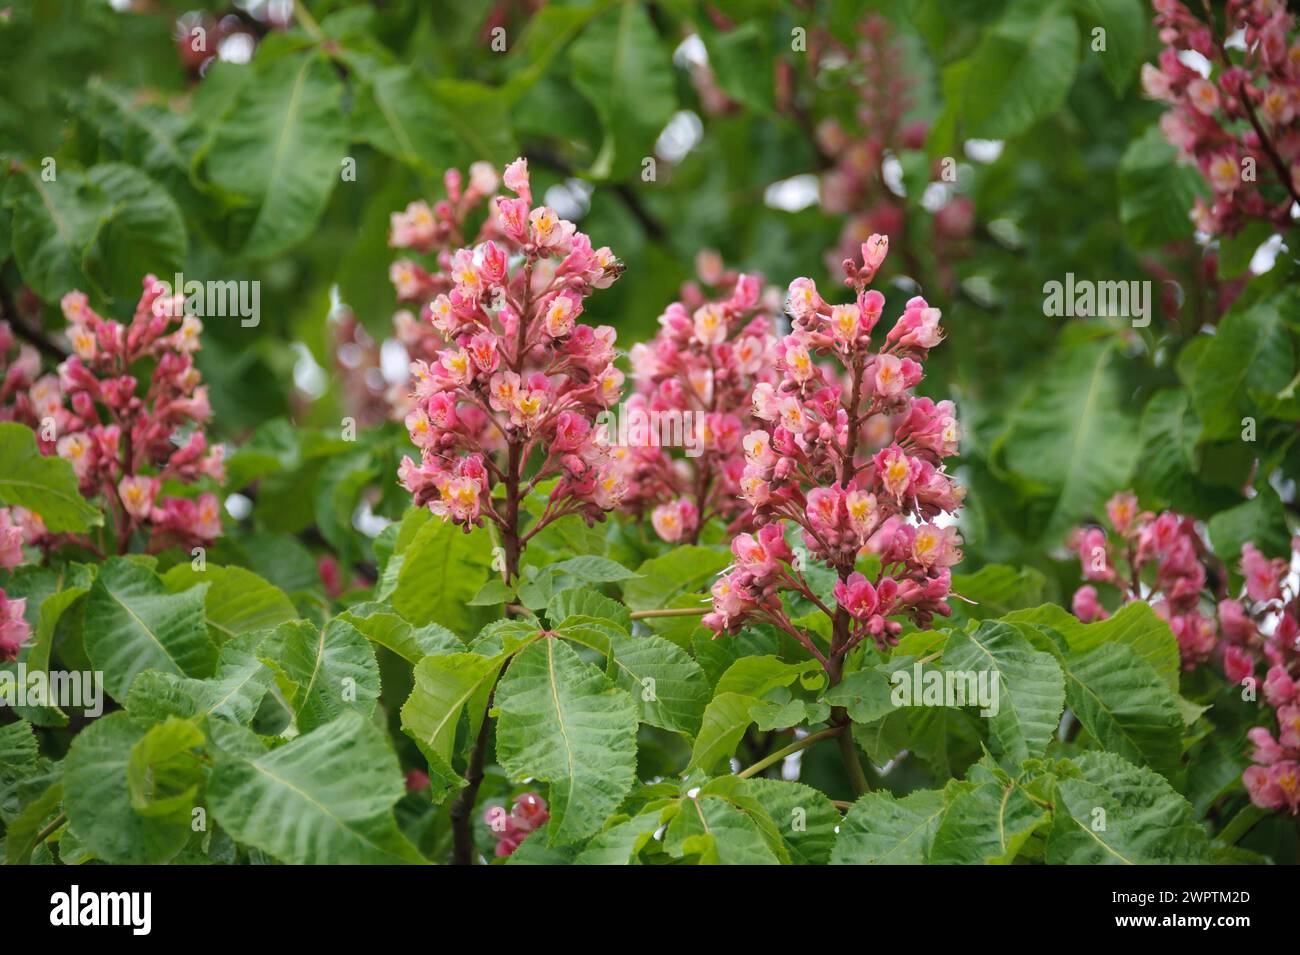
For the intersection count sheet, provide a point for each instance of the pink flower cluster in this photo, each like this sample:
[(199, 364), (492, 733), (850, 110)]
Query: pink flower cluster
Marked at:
[(127, 445), (700, 371), (1170, 543), (14, 630), (856, 462), (1263, 627), (510, 828), (519, 379), (1259, 627), (26, 396), (1240, 124)]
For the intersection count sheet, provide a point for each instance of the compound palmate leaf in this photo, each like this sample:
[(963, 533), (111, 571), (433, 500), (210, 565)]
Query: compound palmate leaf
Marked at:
[(324, 798), (562, 721)]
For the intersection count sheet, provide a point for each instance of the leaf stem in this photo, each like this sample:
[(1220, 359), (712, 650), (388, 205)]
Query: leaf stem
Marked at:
[(795, 747), (1241, 824), (672, 612)]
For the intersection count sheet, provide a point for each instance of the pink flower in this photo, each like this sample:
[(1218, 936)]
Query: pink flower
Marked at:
[(1274, 787), (137, 495), (1238, 664), (1122, 509), (1234, 622), (857, 596), (820, 463), (510, 828), (1263, 576), (1279, 687), (675, 519), (14, 630), (516, 180), (11, 541), (1086, 606)]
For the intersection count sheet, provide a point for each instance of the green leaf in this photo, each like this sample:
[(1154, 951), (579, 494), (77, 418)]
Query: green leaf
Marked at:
[(44, 485), (21, 833), (882, 829), (621, 67), (1169, 473), (986, 824), (755, 676), (1251, 352), (562, 721), (1156, 192), (325, 798), (668, 687), (1260, 521), (997, 589), (594, 570), (584, 602), (1135, 625), (1126, 25), (1124, 705), (444, 686), (725, 720), (805, 818), (53, 222), (865, 694), (1075, 439), (133, 624), (162, 773), (281, 147), (441, 570), (237, 600), (681, 570), (141, 232), (1019, 74), (1122, 814), (381, 626), (234, 693), (1032, 692), (98, 797), (331, 669), (719, 832), (620, 843), (397, 113), (52, 610)]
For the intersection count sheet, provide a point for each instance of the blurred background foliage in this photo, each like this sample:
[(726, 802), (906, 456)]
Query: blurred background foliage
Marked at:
[(1002, 144)]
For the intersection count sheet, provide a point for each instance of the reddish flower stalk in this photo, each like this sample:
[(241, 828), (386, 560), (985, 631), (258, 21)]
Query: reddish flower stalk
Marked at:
[(510, 400), (1240, 124), (695, 380), (1183, 567), (1259, 627), (128, 445), (857, 466)]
